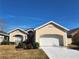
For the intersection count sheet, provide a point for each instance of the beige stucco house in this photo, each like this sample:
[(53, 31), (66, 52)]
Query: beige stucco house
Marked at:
[(17, 35), (52, 34), (48, 34)]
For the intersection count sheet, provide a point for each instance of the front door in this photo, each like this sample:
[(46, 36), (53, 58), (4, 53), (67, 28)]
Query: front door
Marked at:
[(18, 40)]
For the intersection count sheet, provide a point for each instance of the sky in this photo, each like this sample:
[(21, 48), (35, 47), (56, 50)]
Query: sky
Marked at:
[(33, 13)]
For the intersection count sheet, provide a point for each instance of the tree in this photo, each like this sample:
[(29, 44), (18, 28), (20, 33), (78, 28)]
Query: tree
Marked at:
[(3, 24)]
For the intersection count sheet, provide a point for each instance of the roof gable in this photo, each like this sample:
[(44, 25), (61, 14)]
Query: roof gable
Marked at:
[(3, 33), (72, 32), (18, 29), (52, 22)]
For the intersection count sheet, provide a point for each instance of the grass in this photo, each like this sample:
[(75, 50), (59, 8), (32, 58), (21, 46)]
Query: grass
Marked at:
[(72, 46), (9, 52)]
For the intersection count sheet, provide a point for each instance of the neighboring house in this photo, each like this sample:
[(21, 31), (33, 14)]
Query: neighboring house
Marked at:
[(4, 37), (48, 34), (74, 34), (17, 35)]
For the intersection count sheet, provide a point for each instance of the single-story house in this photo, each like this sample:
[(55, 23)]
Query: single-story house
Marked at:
[(48, 34), (74, 34), (4, 37), (17, 35)]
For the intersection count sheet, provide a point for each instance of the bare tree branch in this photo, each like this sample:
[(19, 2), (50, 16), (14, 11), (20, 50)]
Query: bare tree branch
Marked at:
[(3, 24)]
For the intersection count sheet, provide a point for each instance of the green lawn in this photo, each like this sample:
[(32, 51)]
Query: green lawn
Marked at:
[(9, 52)]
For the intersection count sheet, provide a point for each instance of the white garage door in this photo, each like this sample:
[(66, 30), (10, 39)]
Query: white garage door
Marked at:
[(49, 41)]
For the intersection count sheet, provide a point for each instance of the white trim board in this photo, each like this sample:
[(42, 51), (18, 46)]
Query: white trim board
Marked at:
[(53, 23), (17, 29)]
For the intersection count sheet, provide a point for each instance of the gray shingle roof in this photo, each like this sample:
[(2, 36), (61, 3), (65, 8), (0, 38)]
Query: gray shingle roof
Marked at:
[(72, 31), (3, 33)]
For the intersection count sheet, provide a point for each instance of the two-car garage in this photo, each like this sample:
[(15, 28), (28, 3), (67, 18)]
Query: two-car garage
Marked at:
[(51, 40)]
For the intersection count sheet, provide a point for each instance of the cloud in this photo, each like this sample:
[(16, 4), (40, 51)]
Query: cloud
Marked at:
[(7, 17), (30, 18)]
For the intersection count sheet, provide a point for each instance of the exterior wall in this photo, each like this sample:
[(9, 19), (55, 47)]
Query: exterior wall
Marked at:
[(51, 29), (4, 38), (1, 38), (12, 37), (69, 41)]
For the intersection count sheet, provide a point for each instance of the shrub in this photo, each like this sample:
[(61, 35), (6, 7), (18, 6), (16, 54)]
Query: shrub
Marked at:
[(4, 43), (19, 45), (24, 46), (29, 46), (35, 45)]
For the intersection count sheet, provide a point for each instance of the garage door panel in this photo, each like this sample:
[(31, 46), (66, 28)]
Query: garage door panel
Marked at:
[(50, 41)]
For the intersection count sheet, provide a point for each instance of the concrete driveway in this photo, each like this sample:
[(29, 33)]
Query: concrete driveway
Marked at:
[(61, 53)]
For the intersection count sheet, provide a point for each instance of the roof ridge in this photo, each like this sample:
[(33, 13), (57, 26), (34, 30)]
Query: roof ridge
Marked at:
[(53, 23)]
